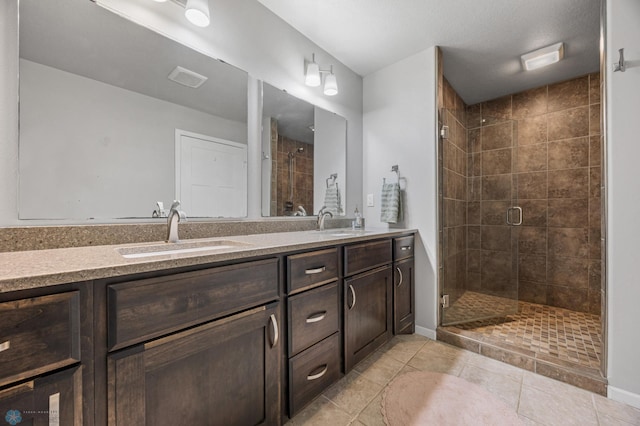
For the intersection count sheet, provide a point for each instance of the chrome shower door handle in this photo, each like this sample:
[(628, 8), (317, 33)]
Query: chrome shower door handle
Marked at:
[(519, 222), (509, 210)]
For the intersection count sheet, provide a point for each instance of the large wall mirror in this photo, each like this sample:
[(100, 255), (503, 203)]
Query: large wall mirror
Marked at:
[(115, 117), (303, 157)]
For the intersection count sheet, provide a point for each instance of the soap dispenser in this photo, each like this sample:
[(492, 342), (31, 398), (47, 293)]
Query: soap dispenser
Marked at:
[(357, 222)]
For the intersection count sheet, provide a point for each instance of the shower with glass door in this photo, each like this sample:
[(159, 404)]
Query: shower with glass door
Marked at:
[(520, 219)]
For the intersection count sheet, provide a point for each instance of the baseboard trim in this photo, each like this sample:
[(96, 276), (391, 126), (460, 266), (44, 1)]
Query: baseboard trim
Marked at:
[(426, 332), (621, 395)]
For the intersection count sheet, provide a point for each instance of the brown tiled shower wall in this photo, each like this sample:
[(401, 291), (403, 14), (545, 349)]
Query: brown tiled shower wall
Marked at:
[(541, 150), (302, 177)]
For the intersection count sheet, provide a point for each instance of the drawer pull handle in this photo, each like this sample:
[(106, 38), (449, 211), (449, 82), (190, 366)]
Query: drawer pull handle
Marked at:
[(405, 248), (318, 375), (315, 271), (5, 345), (353, 295), (274, 324), (316, 317), (399, 273), (54, 409)]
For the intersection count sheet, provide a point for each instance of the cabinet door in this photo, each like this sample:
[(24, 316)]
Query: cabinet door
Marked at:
[(403, 297), (222, 373), (52, 400), (368, 320)]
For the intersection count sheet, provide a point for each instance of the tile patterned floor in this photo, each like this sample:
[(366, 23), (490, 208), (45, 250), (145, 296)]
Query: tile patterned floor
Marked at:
[(570, 336), (538, 400)]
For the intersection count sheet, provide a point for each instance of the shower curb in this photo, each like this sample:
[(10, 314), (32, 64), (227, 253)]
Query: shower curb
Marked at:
[(580, 376)]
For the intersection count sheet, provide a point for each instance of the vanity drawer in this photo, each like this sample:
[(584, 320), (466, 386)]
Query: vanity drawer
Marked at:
[(313, 315), (361, 257), (311, 269), (312, 371), (38, 335), (143, 309), (403, 247)]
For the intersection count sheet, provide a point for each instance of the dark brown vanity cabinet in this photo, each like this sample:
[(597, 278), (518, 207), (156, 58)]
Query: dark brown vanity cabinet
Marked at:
[(198, 348), (368, 294), (314, 338), (403, 286), (41, 375), (221, 373)]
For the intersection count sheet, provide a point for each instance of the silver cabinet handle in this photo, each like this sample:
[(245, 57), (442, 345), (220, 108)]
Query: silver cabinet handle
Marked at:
[(320, 374), (274, 324), (54, 409), (509, 216), (399, 272), (353, 295), (5, 345), (316, 317), (404, 248), (315, 271)]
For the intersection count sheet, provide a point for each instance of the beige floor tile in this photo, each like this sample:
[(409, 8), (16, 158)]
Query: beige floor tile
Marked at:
[(353, 392), (495, 366), (527, 421), (321, 412), (613, 409), (428, 361), (501, 385), (372, 414), (404, 347), (379, 368), (555, 409), (606, 420), (556, 387), (444, 349)]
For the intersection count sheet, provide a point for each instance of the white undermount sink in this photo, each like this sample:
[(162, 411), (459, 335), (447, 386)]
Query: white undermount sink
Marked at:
[(345, 232), (181, 247)]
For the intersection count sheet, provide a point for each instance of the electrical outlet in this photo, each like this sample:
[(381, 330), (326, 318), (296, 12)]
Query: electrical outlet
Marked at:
[(369, 200)]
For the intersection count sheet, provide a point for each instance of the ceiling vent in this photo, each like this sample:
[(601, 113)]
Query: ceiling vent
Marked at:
[(187, 77)]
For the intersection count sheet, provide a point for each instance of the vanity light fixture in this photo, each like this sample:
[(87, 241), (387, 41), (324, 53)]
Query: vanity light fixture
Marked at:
[(313, 77), (543, 57), (196, 11), (330, 84)]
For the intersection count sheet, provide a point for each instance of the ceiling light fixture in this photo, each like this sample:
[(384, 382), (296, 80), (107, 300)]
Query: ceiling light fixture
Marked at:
[(543, 57), (313, 77)]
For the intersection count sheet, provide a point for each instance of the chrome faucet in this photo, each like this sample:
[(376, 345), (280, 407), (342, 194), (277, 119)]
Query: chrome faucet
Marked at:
[(300, 212), (322, 215), (173, 218)]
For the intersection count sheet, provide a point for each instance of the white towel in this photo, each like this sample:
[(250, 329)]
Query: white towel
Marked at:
[(391, 203), (332, 200)]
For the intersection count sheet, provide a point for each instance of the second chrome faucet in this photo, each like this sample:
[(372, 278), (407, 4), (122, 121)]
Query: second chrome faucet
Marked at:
[(174, 216)]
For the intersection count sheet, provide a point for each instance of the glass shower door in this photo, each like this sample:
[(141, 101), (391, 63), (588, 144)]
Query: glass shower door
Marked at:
[(479, 217)]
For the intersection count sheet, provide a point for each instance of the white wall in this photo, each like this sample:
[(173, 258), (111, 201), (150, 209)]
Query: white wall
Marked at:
[(115, 158), (243, 33), (400, 128), (328, 155), (623, 204)]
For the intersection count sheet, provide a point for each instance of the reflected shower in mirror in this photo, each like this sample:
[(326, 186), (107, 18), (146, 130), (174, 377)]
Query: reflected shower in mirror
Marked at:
[(303, 156), (115, 117)]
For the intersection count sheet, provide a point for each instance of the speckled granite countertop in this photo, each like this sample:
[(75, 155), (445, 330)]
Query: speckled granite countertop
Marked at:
[(40, 268)]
